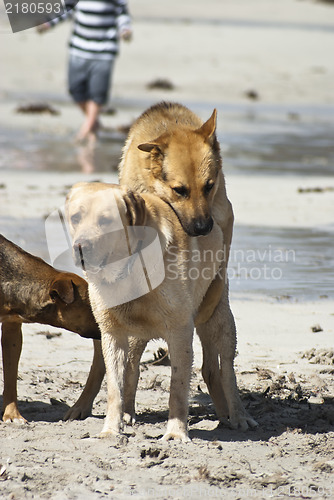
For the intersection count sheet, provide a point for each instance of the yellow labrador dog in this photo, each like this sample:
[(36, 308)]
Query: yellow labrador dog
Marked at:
[(146, 279), (171, 153)]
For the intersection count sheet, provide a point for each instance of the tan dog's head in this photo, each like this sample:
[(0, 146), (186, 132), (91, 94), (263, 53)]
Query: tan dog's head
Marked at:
[(99, 216), (185, 164)]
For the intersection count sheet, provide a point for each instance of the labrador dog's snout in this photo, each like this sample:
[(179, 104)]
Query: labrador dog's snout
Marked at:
[(82, 249)]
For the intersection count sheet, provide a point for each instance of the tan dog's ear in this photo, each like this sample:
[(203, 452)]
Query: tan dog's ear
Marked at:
[(208, 129), (135, 209), (62, 289), (149, 146), (156, 149)]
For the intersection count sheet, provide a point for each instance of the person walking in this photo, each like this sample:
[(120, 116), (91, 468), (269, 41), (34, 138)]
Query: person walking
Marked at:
[(94, 44)]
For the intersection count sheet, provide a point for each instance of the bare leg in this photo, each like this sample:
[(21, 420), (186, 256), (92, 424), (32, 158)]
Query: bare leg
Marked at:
[(89, 127), (11, 343), (87, 157), (83, 407), (136, 349)]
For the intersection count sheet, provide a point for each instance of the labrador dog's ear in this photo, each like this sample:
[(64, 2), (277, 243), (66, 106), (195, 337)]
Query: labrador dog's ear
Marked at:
[(135, 209)]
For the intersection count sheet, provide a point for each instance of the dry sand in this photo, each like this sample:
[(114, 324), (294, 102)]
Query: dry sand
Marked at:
[(282, 50)]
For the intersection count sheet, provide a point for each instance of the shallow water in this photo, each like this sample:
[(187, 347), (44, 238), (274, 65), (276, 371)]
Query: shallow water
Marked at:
[(306, 150), (57, 153), (282, 262), (278, 262), (254, 138)]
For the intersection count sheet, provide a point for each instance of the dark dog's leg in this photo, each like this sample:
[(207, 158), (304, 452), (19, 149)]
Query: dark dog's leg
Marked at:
[(83, 407), (11, 342)]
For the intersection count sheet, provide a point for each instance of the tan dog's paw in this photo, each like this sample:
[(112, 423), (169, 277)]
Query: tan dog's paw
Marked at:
[(135, 208), (176, 430), (12, 414)]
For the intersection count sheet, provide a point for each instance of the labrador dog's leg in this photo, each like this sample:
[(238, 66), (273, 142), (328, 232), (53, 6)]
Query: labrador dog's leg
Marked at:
[(11, 342), (136, 349), (220, 332), (115, 350), (83, 407), (181, 357)]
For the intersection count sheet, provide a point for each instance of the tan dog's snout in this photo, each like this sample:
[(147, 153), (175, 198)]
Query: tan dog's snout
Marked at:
[(200, 226)]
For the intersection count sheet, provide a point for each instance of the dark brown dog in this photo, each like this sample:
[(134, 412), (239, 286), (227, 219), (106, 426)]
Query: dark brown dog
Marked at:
[(31, 291)]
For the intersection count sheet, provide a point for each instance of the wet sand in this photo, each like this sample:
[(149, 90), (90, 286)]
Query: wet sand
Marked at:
[(279, 165)]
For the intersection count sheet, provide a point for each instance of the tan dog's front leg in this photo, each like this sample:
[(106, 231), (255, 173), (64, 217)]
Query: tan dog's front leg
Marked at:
[(115, 349), (181, 357), (11, 342), (83, 407)]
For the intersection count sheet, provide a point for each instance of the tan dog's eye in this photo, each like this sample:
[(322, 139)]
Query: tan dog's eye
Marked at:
[(181, 191), (208, 187), (75, 219)]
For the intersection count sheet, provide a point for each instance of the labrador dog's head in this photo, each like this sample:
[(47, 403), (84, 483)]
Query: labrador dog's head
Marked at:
[(185, 164), (101, 219)]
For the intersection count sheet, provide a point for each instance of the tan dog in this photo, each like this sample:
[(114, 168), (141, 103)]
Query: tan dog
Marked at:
[(31, 291), (171, 153), (161, 299)]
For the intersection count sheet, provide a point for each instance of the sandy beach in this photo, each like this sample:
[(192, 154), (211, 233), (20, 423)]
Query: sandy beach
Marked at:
[(268, 69)]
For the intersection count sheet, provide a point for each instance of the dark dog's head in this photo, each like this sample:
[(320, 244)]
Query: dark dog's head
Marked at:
[(70, 307), (185, 165)]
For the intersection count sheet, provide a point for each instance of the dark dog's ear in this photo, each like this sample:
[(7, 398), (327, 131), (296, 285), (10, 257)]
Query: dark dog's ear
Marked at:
[(208, 129), (62, 289), (135, 209)]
